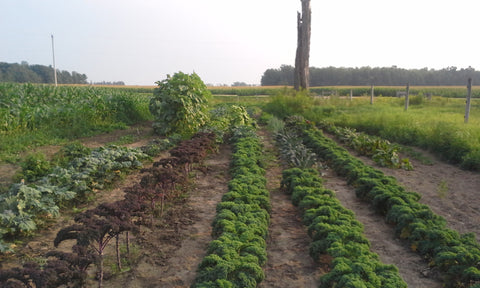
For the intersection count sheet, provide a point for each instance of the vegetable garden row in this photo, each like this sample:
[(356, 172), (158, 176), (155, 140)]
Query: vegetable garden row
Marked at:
[(457, 256), (95, 228)]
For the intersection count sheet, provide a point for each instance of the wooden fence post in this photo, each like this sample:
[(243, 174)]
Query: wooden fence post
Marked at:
[(371, 94), (351, 94), (469, 96), (407, 96)]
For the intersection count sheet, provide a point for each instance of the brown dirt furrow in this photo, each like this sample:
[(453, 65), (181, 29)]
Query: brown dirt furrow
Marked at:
[(171, 253), (391, 250), (448, 190), (289, 263)]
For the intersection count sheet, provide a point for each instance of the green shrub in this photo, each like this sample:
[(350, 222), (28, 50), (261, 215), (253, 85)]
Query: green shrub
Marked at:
[(179, 104), (289, 103)]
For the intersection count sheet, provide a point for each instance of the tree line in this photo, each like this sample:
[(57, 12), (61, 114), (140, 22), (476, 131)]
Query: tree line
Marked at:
[(383, 76), (23, 73)]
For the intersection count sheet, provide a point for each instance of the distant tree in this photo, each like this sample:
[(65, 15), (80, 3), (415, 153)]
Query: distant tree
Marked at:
[(114, 83), (23, 73), (237, 84), (44, 72), (283, 76), (387, 76)]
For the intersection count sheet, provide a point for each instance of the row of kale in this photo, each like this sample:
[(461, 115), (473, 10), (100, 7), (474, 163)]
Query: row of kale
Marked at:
[(456, 256)]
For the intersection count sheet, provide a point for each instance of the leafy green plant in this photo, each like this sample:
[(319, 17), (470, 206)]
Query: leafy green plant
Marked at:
[(225, 118), (34, 166), (293, 151), (382, 151), (70, 152), (442, 189), (334, 231), (235, 257), (274, 124), (26, 205), (179, 104)]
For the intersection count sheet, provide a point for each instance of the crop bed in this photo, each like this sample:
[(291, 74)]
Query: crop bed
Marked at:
[(455, 255)]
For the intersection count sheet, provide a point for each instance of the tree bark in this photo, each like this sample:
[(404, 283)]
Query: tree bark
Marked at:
[(302, 68)]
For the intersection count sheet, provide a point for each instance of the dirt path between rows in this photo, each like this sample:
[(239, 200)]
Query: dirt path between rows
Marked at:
[(289, 263), (391, 250), (172, 251)]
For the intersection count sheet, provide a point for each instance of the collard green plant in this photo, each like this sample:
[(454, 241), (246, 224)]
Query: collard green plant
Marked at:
[(179, 104), (293, 151)]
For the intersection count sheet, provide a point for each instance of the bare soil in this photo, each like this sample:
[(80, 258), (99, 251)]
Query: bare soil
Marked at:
[(168, 254)]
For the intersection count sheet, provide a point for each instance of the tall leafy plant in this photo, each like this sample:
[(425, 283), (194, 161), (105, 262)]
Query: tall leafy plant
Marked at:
[(179, 104)]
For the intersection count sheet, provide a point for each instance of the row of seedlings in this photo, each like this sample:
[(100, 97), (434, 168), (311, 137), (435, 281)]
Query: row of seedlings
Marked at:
[(335, 232), (236, 255), (94, 229), (456, 256)]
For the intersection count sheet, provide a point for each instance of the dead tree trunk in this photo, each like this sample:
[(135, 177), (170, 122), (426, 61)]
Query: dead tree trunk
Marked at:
[(302, 73)]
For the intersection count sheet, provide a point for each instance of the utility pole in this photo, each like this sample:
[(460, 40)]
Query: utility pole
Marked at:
[(54, 69)]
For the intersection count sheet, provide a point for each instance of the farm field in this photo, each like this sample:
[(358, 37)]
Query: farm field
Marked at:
[(168, 254), (185, 232)]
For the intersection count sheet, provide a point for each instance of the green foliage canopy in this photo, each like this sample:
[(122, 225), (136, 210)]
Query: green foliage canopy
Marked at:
[(180, 104)]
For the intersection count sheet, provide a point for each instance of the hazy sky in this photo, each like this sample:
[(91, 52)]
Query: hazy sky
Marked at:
[(223, 41)]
